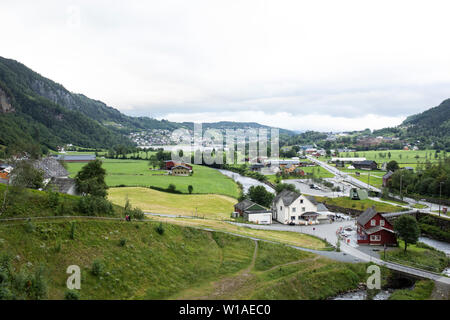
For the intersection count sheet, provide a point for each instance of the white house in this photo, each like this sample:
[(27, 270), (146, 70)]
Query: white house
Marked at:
[(292, 207)]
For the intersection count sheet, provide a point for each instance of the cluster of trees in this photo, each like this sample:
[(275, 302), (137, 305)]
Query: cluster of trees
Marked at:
[(429, 179)]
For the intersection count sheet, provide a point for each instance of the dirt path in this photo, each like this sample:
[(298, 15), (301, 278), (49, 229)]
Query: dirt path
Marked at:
[(227, 286), (294, 262)]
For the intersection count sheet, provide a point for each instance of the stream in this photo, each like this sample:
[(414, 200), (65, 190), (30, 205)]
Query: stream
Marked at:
[(245, 181)]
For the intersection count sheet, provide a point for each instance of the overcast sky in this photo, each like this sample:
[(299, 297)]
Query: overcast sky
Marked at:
[(323, 65)]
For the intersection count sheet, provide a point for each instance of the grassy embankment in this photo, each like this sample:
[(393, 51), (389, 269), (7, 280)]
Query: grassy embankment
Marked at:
[(422, 291), (362, 205), (138, 262), (136, 173), (418, 256)]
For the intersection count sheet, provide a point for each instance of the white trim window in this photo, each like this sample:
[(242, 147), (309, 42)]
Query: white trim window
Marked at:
[(303, 209), (294, 209), (375, 237), (381, 223), (373, 222)]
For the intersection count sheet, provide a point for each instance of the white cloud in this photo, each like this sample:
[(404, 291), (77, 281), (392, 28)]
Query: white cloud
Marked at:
[(345, 59)]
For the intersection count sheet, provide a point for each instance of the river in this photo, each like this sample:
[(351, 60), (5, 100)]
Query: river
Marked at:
[(245, 181), (439, 245)]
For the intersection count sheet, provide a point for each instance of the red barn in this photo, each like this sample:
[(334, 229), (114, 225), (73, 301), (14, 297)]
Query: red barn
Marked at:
[(374, 229), (169, 164)]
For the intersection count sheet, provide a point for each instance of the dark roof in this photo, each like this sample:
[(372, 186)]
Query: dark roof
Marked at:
[(310, 214), (51, 167), (321, 207), (76, 157), (62, 185), (365, 162), (287, 196), (366, 216), (312, 199), (244, 204), (388, 175)]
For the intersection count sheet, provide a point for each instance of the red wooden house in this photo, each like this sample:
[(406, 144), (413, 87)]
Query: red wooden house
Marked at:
[(374, 229)]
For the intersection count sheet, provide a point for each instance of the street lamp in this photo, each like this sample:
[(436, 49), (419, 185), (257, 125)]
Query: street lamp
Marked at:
[(440, 196)]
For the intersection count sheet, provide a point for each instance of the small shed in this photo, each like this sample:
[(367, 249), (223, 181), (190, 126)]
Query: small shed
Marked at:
[(358, 194)]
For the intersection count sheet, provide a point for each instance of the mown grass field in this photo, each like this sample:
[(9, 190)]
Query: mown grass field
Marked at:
[(180, 262), (210, 206), (405, 158), (137, 173), (346, 202), (318, 171)]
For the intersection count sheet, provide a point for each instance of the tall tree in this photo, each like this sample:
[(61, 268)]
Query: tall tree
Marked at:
[(260, 195), (407, 229), (91, 179)]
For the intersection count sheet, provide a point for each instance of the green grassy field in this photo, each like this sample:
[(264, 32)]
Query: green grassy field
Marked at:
[(137, 262), (204, 205), (319, 172), (135, 173), (362, 205), (405, 158)]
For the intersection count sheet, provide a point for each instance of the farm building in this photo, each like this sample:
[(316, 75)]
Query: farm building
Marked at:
[(76, 158), (180, 170), (253, 212), (366, 165), (374, 229), (358, 194), (169, 164), (347, 160)]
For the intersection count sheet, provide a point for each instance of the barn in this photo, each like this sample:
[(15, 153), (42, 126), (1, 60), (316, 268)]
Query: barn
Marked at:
[(374, 229)]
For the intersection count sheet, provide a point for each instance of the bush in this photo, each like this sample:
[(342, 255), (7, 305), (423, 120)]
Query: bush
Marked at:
[(171, 188), (97, 268), (52, 199), (137, 213), (71, 295), (95, 206), (160, 228), (122, 242)]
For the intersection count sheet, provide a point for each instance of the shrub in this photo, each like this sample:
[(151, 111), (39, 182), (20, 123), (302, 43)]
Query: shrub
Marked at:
[(122, 242), (97, 268), (171, 188), (71, 295), (52, 199), (160, 228), (137, 213), (95, 206), (190, 189)]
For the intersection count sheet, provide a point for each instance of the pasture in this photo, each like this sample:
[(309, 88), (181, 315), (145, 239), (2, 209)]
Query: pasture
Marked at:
[(210, 206), (137, 173)]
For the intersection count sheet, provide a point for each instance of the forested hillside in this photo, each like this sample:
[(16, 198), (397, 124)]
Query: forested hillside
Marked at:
[(431, 126)]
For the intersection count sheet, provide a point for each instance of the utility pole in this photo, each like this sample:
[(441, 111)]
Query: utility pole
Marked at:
[(401, 176), (440, 196)]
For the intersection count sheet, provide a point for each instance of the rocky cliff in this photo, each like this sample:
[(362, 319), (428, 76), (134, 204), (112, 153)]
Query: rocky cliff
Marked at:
[(5, 103)]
